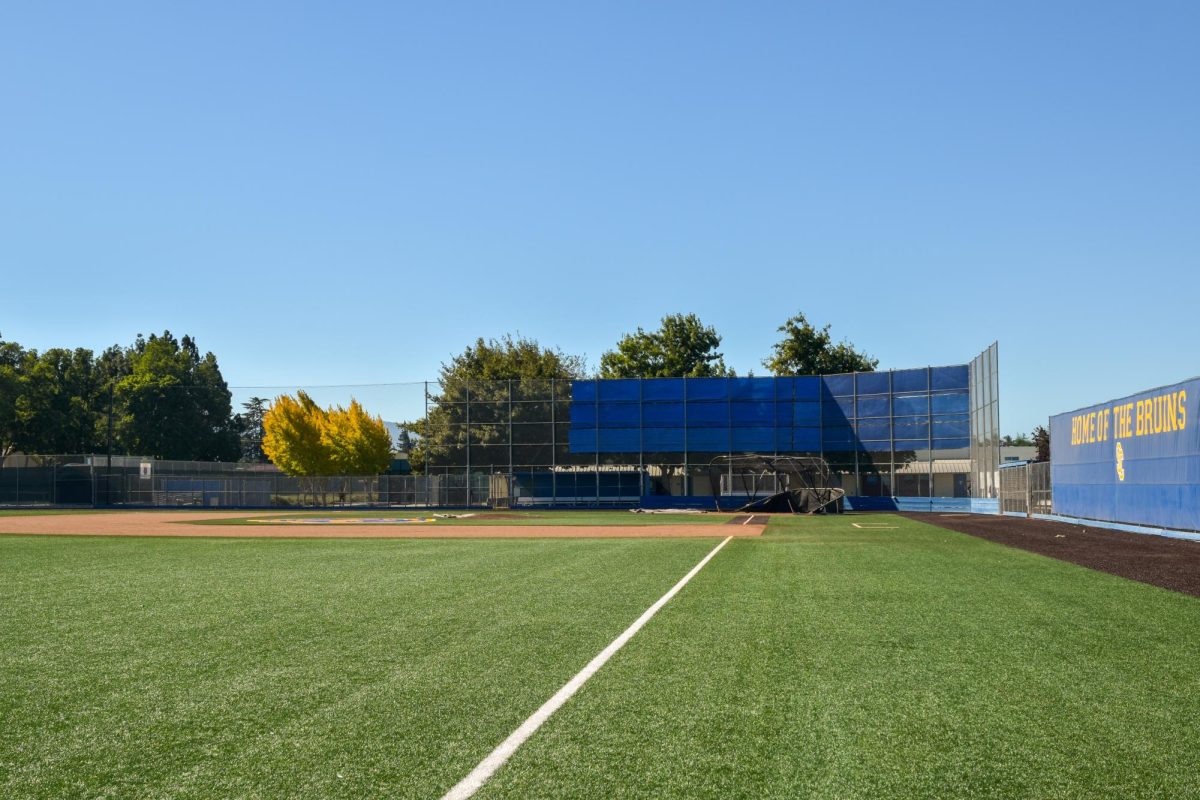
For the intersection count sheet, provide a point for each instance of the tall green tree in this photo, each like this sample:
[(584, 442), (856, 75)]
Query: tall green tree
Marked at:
[(682, 347), (250, 430), (174, 403), (12, 358), (59, 401), (1041, 440), (808, 350), (491, 377)]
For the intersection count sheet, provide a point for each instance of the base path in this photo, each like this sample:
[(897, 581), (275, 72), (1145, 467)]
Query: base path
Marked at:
[(174, 523)]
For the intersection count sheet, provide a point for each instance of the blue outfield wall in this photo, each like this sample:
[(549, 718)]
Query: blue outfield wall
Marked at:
[(1135, 460)]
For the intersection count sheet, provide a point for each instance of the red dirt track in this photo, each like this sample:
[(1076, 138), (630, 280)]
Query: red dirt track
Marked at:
[(1157, 560), (174, 523)]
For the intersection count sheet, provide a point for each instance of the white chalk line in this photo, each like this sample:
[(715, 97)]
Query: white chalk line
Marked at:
[(494, 760)]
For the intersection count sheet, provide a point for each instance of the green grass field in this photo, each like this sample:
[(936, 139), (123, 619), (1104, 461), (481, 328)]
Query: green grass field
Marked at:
[(820, 660)]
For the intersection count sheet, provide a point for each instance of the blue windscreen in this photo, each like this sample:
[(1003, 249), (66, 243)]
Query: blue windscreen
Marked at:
[(753, 440), (582, 391), (663, 440), (708, 415), (806, 388), (618, 415), (873, 383), (950, 403), (839, 385), (876, 406), (912, 409), (583, 415), (663, 415), (910, 405), (957, 377), (708, 389), (662, 389), (742, 414), (910, 380), (618, 389)]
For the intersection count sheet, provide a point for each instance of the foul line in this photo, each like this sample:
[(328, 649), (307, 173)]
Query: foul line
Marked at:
[(478, 776)]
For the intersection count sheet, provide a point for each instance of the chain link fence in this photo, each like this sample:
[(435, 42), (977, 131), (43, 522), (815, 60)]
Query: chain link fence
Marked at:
[(1025, 489)]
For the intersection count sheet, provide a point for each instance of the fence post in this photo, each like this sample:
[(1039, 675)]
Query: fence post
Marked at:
[(1028, 490)]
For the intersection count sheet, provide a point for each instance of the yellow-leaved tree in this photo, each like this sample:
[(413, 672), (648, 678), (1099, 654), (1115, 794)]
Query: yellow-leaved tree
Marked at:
[(357, 443), (308, 441), (292, 430)]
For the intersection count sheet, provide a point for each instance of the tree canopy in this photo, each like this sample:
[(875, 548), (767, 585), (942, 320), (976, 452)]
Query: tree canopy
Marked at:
[(167, 400), (174, 402), (480, 377), (303, 439), (251, 430), (1041, 440), (807, 350), (682, 347), (1020, 440)]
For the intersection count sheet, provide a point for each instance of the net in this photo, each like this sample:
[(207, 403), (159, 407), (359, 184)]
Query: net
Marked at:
[(767, 483)]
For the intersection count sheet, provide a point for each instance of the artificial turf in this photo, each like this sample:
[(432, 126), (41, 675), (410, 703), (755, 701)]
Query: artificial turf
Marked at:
[(316, 668), (835, 662), (820, 660)]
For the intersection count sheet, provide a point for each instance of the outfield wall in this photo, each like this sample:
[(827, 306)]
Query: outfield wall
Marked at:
[(1135, 460)]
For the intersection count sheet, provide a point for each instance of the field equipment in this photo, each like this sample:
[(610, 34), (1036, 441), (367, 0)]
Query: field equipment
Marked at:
[(779, 484)]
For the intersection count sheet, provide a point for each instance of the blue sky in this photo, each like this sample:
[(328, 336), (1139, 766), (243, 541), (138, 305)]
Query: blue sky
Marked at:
[(350, 193)]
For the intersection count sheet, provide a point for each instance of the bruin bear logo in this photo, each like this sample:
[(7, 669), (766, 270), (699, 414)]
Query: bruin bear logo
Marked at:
[(1120, 462)]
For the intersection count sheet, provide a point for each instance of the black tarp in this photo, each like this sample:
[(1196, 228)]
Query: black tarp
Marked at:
[(798, 501)]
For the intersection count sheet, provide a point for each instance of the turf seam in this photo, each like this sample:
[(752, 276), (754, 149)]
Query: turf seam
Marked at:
[(477, 777)]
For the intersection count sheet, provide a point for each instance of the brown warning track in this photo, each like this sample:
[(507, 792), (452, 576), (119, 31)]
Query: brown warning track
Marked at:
[(1157, 560), (173, 523)]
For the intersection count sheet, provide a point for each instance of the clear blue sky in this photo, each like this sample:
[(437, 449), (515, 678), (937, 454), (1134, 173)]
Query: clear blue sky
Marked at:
[(352, 192)]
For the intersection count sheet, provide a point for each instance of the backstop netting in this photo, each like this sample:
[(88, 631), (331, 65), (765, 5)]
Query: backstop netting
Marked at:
[(766, 483)]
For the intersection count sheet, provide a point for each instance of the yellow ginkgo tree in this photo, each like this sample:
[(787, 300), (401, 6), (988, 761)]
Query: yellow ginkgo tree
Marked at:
[(357, 443), (308, 441)]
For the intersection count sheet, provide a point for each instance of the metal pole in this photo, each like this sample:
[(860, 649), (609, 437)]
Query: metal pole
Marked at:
[(686, 464), (597, 457), (108, 464), (929, 421), (510, 434), (468, 407), (553, 442), (641, 436)]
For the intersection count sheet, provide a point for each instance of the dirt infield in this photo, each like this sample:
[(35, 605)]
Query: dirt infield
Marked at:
[(749, 519), (1157, 560), (173, 523)]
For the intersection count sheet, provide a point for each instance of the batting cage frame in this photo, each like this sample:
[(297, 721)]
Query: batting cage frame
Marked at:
[(784, 484)]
